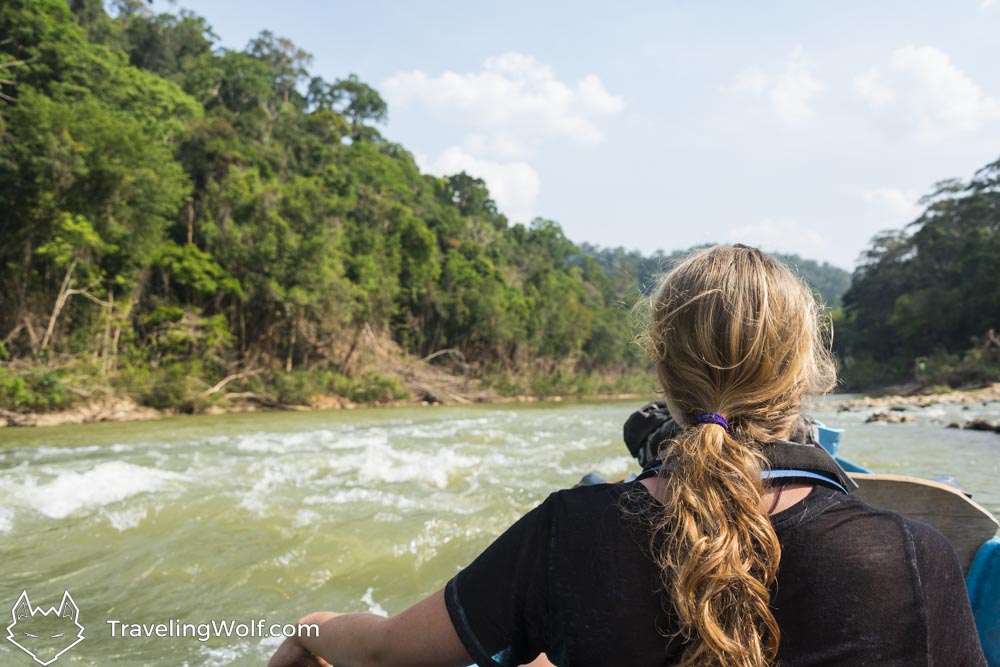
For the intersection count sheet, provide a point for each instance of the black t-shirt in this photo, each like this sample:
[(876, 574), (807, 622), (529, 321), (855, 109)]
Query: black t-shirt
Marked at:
[(572, 578)]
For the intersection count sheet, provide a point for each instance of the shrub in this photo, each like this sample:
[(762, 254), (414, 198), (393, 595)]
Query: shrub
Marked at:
[(375, 388), (297, 387), (175, 386), (35, 390)]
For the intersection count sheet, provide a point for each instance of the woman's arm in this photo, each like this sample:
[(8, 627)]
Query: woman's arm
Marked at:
[(421, 636)]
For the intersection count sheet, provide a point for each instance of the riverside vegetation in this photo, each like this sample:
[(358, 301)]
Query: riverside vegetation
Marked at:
[(188, 227)]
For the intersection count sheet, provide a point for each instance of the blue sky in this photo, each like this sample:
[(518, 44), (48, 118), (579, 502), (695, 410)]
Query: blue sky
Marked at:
[(797, 126)]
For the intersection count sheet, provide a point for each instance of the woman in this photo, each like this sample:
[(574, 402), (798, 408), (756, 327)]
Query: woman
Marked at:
[(702, 563)]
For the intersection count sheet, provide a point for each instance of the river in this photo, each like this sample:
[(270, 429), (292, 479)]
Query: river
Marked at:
[(270, 515)]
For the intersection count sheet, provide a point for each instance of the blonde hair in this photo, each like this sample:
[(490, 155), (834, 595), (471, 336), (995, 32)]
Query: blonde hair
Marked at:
[(731, 331)]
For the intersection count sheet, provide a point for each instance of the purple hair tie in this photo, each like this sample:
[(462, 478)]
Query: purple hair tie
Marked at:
[(713, 418)]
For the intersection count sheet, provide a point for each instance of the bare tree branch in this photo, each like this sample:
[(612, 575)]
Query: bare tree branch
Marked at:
[(15, 63), (242, 375), (453, 352), (16, 330), (88, 295)]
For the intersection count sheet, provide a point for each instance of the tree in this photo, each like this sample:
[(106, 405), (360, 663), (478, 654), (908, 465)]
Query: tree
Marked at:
[(287, 62), (930, 288), (361, 104), (75, 244)]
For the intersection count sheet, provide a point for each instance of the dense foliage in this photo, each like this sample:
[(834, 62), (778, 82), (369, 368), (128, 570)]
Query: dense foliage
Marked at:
[(924, 300), (176, 213)]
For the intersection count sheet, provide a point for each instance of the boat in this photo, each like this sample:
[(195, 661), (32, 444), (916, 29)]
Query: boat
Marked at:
[(942, 503)]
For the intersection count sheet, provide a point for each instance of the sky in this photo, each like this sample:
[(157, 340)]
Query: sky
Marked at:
[(800, 127)]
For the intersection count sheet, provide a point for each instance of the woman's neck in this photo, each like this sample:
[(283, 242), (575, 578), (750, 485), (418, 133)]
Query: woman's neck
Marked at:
[(791, 494)]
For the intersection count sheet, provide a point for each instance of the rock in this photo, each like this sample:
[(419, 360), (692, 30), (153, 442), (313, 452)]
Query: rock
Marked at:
[(8, 418), (325, 402), (953, 425), (427, 394), (898, 408), (960, 397), (889, 417), (981, 425)]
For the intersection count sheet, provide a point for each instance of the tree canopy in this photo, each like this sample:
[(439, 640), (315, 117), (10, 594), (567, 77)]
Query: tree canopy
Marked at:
[(175, 204), (930, 289)]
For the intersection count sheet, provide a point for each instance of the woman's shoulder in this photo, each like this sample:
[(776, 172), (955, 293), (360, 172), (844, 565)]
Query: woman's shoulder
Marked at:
[(600, 497), (604, 508), (839, 523), (582, 499), (855, 509)]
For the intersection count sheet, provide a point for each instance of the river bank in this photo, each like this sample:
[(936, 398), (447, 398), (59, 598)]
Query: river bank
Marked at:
[(428, 386), (901, 406), (126, 409), (908, 397), (422, 384)]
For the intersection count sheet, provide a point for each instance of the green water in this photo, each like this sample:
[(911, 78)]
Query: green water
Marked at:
[(268, 516)]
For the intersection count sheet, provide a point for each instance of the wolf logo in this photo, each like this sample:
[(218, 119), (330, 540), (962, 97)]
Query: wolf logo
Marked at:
[(45, 634)]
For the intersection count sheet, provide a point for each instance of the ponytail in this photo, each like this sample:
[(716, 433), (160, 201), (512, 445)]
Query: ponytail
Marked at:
[(717, 551)]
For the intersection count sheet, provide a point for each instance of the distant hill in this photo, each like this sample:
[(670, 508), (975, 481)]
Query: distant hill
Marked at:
[(640, 271), (830, 281)]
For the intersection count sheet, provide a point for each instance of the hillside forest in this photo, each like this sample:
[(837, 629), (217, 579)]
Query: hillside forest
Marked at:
[(190, 226)]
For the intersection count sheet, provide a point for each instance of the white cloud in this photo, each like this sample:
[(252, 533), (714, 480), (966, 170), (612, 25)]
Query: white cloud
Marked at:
[(932, 95), (513, 185), (513, 93), (495, 145), (872, 86), (752, 81), (505, 110), (780, 235), (896, 207), (789, 93), (793, 90), (986, 3)]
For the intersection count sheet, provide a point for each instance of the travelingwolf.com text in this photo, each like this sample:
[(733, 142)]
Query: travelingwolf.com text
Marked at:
[(259, 628)]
